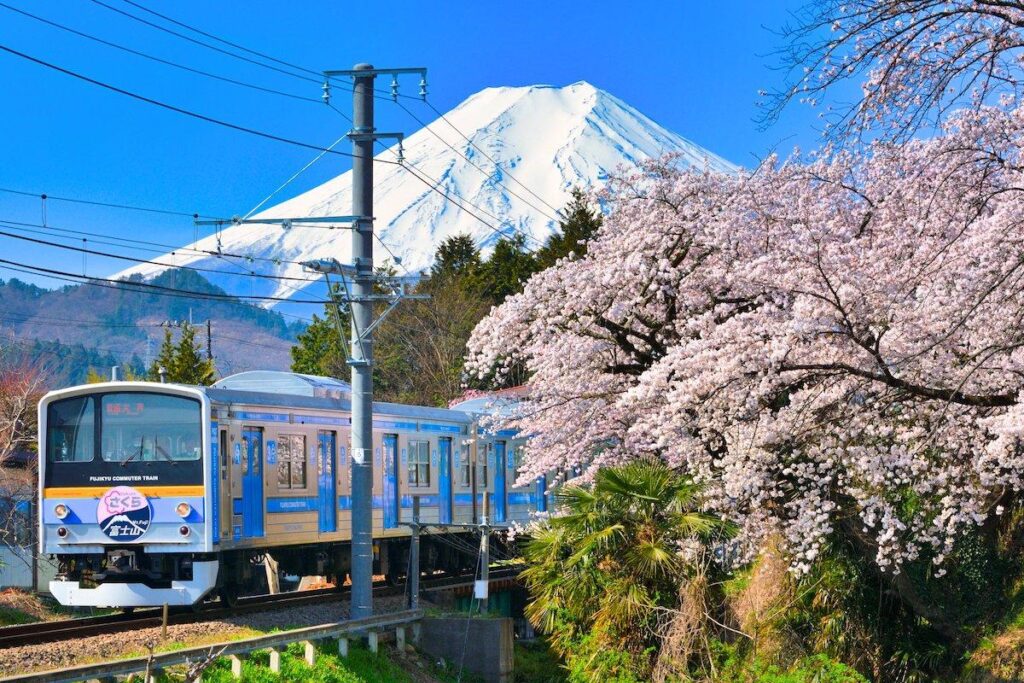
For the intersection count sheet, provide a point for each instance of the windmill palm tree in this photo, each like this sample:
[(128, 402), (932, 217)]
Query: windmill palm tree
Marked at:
[(603, 566)]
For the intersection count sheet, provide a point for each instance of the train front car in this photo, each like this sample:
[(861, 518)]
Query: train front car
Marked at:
[(124, 471)]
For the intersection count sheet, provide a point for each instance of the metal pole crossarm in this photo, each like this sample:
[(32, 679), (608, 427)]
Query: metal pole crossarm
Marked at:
[(421, 70), (288, 222), (355, 135), (329, 266)]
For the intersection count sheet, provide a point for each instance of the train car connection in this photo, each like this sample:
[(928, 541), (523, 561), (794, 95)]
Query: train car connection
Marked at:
[(155, 494)]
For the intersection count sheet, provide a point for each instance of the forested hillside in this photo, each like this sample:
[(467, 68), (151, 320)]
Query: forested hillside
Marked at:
[(75, 328)]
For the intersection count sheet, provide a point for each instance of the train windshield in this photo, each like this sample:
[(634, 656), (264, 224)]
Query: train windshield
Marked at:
[(124, 427), (123, 437)]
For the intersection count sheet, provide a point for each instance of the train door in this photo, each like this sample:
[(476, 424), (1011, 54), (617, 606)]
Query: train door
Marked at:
[(500, 496), (390, 473), (444, 488), (252, 482), (326, 463), (225, 483)]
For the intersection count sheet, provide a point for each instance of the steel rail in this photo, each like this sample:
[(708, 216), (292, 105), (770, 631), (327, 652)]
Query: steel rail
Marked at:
[(84, 627), (106, 670)]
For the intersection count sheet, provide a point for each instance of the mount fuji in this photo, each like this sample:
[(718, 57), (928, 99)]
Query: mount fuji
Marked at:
[(529, 147)]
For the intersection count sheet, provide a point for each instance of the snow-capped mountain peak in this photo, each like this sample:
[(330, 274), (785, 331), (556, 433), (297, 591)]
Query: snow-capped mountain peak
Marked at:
[(527, 148)]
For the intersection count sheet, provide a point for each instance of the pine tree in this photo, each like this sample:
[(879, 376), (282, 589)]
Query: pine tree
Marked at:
[(190, 366), (164, 359), (457, 258), (580, 224), (508, 268)]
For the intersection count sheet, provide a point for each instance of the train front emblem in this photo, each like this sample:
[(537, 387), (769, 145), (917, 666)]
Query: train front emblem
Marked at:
[(124, 514)]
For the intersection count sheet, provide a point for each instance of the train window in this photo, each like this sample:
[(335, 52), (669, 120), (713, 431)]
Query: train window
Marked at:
[(291, 461), (465, 465), (70, 430), (419, 463), (482, 478), (245, 454), (517, 460), (223, 454)]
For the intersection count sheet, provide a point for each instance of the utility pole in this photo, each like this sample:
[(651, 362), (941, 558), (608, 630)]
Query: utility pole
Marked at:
[(363, 136), (361, 299), (361, 361), (209, 340)]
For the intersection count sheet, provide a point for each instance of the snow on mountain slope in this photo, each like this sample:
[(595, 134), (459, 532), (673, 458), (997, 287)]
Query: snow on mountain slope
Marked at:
[(548, 139)]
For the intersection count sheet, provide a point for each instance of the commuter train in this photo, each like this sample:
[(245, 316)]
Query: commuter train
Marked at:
[(155, 494)]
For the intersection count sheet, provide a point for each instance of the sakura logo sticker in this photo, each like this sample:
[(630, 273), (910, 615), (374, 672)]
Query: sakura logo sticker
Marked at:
[(123, 514)]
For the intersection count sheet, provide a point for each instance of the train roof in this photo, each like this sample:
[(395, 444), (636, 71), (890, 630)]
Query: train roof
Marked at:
[(294, 390), (291, 383)]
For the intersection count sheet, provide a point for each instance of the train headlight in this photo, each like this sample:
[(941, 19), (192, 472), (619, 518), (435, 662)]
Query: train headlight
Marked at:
[(184, 530), (62, 532), (61, 510), (183, 510)]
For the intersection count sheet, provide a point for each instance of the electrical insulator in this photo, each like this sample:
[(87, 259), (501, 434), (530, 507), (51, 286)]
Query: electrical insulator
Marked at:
[(401, 153), (423, 88), (327, 92), (394, 88)]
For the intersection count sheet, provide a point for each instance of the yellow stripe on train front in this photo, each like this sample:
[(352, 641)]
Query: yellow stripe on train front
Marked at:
[(97, 491)]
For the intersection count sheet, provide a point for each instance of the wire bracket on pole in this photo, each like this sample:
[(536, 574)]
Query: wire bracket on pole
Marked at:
[(395, 291)]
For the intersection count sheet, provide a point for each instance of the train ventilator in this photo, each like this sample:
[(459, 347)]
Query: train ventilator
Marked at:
[(155, 494)]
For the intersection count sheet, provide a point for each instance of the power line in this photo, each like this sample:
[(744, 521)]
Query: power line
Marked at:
[(433, 183), (159, 60), (179, 110), (163, 248), (199, 42), (472, 163), (152, 288), (218, 39), (122, 257), (50, 197), (486, 155)]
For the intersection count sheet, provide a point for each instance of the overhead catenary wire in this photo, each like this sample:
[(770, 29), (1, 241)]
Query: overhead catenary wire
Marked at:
[(155, 247), (148, 287), (219, 39), (49, 197), (488, 174), (203, 44), (133, 259), (444, 118), (159, 60), (180, 110)]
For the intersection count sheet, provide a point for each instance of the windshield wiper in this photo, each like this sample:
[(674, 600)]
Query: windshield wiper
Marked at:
[(138, 452)]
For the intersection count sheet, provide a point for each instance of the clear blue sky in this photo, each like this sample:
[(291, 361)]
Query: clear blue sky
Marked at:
[(694, 67)]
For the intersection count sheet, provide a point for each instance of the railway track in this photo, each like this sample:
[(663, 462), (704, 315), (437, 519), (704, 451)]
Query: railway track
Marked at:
[(69, 629)]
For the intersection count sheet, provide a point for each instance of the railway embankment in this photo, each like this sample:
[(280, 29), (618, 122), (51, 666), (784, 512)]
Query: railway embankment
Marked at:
[(107, 647)]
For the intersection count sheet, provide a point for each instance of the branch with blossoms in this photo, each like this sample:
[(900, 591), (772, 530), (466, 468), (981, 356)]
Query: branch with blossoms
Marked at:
[(915, 62)]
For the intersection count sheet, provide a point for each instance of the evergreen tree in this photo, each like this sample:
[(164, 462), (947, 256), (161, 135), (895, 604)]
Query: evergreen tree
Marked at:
[(318, 349), (508, 268), (457, 258), (580, 224), (190, 366), (183, 362), (164, 359)]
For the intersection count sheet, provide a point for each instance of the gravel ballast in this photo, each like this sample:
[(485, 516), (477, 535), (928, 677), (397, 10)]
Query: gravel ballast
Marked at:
[(59, 655)]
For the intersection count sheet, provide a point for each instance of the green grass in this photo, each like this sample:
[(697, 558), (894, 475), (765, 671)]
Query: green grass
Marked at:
[(12, 617), (536, 663), (361, 666)]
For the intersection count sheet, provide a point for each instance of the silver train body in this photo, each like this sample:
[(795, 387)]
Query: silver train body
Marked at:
[(155, 494)]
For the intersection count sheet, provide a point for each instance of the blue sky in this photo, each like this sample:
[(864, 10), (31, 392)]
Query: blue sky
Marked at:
[(694, 67)]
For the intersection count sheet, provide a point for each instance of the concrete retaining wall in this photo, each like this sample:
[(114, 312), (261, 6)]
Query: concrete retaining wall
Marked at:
[(483, 646)]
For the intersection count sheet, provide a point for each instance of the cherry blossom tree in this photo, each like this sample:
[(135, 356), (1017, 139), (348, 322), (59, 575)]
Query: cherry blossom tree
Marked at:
[(915, 61), (830, 344)]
